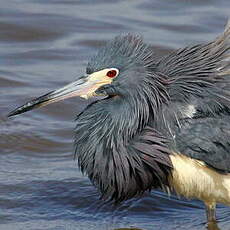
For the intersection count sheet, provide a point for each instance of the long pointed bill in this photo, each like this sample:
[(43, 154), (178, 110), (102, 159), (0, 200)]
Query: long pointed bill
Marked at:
[(84, 87)]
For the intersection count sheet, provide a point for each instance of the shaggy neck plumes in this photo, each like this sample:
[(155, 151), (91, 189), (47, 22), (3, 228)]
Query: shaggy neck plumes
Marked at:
[(121, 155)]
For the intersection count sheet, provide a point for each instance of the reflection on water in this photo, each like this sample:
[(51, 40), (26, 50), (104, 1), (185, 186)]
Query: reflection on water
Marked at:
[(213, 226), (44, 45), (127, 228)]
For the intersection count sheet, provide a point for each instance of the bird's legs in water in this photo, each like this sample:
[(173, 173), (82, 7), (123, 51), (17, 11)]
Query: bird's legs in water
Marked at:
[(211, 211), (212, 226), (211, 216)]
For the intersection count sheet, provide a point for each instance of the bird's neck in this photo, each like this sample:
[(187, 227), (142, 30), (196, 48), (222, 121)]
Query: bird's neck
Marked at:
[(110, 123), (120, 154)]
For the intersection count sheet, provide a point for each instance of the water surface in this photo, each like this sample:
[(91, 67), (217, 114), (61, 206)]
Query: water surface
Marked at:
[(46, 44)]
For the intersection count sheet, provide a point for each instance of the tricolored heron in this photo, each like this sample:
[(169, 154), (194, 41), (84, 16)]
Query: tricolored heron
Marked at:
[(160, 124)]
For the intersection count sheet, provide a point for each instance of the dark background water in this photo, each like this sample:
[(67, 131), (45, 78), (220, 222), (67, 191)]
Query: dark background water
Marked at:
[(43, 45)]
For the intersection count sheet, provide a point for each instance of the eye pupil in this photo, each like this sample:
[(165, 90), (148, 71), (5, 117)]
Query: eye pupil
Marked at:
[(112, 73)]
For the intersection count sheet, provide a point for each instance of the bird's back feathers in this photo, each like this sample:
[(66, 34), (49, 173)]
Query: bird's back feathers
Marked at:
[(201, 74), (200, 79), (199, 60)]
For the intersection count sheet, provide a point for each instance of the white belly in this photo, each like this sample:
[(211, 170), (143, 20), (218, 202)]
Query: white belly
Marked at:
[(193, 179)]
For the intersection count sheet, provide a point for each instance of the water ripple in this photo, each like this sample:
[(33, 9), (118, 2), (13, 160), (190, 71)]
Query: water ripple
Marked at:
[(46, 44)]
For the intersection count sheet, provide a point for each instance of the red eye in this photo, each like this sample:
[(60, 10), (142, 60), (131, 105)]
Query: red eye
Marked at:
[(112, 73)]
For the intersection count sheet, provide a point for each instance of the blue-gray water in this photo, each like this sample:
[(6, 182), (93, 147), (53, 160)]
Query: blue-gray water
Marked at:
[(45, 44)]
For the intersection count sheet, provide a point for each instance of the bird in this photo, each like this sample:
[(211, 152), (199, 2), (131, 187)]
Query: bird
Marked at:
[(157, 123)]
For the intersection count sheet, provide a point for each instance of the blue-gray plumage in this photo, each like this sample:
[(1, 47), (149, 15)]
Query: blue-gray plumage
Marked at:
[(160, 124), (206, 139)]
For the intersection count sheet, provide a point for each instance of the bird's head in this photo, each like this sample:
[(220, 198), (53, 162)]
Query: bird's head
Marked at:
[(124, 68)]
